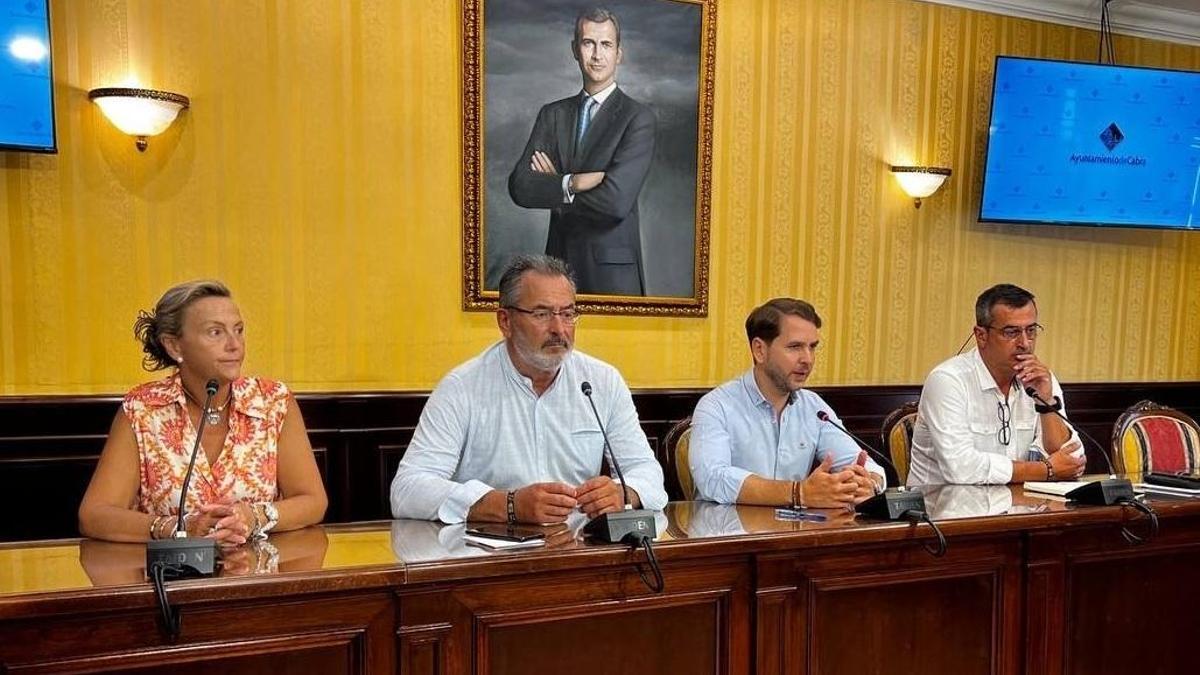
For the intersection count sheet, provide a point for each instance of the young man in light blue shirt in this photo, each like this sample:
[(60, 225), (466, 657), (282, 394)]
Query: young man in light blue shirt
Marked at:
[(757, 439)]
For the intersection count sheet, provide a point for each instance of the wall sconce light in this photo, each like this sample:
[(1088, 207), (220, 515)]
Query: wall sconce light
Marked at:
[(920, 182), (139, 112)]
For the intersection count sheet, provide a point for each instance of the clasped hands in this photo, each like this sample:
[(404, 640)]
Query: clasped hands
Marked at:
[(227, 522), (825, 488), (546, 503)]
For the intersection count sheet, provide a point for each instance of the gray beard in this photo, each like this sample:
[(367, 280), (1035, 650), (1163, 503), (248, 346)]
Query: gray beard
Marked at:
[(545, 363)]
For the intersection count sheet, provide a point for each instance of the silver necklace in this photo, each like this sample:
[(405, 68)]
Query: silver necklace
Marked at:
[(212, 416)]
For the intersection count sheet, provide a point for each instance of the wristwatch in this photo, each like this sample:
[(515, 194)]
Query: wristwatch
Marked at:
[(1054, 407)]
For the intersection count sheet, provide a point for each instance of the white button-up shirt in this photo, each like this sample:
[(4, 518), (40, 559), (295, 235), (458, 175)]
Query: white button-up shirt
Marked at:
[(957, 435), (484, 428), (735, 434)]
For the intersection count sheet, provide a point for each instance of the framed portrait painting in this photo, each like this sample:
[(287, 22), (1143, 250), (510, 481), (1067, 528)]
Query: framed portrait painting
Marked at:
[(587, 135)]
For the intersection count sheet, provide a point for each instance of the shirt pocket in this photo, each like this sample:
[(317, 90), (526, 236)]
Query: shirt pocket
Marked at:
[(587, 446), (986, 434)]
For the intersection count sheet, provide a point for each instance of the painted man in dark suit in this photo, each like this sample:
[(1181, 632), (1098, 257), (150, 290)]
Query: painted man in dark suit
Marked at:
[(586, 161)]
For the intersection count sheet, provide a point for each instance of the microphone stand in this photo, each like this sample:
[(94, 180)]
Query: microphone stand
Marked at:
[(1106, 491), (630, 526), (898, 503), (181, 557)]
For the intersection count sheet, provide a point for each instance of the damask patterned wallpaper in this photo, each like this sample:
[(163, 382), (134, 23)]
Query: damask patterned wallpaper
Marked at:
[(318, 174)]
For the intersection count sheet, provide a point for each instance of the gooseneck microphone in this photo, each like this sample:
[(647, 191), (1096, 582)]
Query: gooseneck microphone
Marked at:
[(1107, 491), (586, 388), (210, 390), (879, 456), (181, 557), (898, 503), (630, 526)]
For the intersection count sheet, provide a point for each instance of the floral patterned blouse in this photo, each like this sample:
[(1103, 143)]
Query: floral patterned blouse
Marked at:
[(245, 470)]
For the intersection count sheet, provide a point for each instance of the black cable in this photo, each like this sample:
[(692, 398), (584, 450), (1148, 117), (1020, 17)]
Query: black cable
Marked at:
[(1106, 37), (964, 344), (1144, 508), (658, 584), (916, 517), (169, 617)]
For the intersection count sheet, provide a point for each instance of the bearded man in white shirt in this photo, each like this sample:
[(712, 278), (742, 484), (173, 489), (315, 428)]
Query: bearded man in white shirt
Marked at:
[(509, 436), (976, 424)]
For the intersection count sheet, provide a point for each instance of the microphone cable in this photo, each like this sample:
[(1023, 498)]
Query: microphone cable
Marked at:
[(1128, 534), (917, 517), (170, 619), (658, 584)]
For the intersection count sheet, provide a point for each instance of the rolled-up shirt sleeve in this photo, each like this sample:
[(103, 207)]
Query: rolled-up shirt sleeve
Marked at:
[(710, 455), (422, 487), (641, 469), (944, 408)]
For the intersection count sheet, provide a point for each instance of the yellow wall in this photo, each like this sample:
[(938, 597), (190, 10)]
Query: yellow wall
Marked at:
[(317, 173)]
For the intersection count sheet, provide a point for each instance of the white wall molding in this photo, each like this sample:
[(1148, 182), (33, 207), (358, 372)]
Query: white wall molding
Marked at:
[(1129, 17)]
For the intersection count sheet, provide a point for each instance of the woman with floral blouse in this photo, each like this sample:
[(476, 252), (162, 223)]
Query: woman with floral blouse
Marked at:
[(255, 470)]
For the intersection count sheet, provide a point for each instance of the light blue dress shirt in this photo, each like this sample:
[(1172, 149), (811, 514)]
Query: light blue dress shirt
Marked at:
[(735, 434), (484, 428)]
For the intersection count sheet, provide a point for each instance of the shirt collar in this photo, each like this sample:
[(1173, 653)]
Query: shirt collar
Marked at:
[(244, 400), (753, 393), (602, 95), (986, 381), (511, 372)]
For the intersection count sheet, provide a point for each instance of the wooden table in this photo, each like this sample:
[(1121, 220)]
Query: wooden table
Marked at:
[(1028, 585)]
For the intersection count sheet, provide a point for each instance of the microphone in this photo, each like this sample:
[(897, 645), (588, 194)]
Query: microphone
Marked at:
[(629, 525), (181, 557), (1104, 492), (893, 503), (879, 456)]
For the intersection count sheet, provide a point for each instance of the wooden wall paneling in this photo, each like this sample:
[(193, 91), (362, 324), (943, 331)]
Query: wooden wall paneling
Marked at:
[(49, 445)]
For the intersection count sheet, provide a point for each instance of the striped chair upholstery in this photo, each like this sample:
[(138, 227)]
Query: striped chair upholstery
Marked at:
[(1150, 437), (897, 433), (676, 443)]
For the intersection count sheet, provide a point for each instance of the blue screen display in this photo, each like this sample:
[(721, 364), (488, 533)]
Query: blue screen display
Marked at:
[(26, 85), (1090, 144)]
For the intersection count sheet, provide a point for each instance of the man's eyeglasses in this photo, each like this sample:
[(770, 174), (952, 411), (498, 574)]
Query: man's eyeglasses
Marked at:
[(1005, 414), (569, 315), (1010, 333)]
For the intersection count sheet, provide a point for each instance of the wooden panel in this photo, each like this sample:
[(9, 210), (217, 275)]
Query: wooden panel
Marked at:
[(49, 445), (349, 634), (937, 625), (899, 610), (1125, 612), (584, 621), (682, 638)]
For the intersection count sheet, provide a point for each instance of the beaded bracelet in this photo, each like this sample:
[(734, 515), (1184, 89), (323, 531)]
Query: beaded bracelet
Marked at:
[(1049, 468)]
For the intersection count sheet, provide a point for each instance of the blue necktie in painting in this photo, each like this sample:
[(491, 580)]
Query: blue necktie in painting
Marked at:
[(585, 118)]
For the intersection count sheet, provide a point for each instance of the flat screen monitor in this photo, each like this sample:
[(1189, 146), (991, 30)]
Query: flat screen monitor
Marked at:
[(26, 80), (1090, 144)]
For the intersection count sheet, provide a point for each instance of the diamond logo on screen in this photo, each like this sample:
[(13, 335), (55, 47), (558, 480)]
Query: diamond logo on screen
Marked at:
[(1111, 137)]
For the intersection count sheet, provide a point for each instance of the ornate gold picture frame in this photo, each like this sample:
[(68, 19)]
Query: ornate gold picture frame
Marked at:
[(623, 196)]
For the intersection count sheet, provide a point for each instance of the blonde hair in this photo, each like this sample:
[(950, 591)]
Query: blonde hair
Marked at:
[(167, 319)]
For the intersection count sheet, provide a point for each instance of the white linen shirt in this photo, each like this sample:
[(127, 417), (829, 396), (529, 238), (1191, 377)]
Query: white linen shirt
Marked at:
[(484, 428), (735, 434), (956, 437)]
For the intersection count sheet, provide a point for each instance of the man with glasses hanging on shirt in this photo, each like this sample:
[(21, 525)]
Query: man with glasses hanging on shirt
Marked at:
[(976, 424), (510, 437)]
